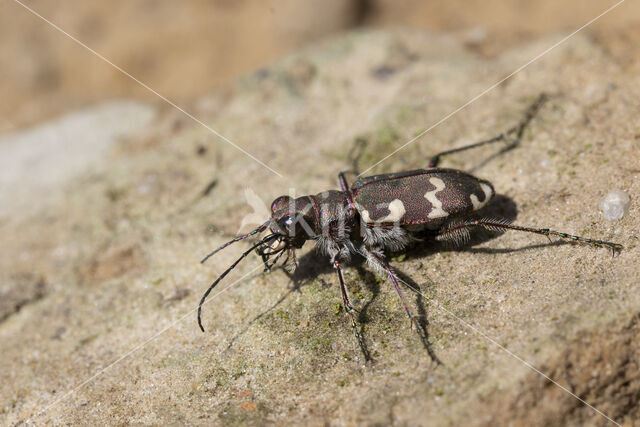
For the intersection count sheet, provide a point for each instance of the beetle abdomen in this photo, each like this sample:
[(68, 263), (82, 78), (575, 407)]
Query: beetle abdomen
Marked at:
[(419, 196)]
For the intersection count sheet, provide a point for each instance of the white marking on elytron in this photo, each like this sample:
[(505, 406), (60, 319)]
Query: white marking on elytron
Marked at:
[(477, 204), (365, 216), (436, 205), (396, 212)]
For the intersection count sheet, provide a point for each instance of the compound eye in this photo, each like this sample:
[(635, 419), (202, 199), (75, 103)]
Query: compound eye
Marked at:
[(288, 225), (282, 203)]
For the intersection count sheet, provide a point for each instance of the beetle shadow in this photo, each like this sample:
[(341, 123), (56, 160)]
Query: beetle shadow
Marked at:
[(259, 316), (309, 267), (373, 285)]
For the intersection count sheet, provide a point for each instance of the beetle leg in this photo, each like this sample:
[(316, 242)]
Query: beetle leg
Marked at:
[(345, 187), (512, 135), (349, 308), (277, 258), (436, 159), (498, 225), (375, 257), (265, 259), (343, 181)]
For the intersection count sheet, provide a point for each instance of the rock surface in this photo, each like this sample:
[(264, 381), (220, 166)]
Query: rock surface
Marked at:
[(106, 332), (41, 160)]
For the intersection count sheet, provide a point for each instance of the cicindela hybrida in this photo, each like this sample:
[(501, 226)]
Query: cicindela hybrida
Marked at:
[(387, 212)]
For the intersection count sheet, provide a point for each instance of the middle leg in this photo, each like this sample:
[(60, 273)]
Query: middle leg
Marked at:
[(349, 309), (375, 257)]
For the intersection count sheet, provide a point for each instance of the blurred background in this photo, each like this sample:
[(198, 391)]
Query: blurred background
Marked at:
[(188, 48)]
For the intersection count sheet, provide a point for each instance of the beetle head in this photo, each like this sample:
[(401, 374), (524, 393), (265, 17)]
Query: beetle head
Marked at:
[(294, 220)]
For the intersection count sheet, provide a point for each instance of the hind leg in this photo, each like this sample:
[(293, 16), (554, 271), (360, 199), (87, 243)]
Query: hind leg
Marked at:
[(454, 231), (512, 136)]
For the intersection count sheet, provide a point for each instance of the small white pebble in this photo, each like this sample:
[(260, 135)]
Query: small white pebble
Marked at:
[(516, 284), (615, 205), (144, 189), (476, 35), (545, 163)]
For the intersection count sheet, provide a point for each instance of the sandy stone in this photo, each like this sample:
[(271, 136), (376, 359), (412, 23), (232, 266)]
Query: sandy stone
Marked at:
[(113, 338)]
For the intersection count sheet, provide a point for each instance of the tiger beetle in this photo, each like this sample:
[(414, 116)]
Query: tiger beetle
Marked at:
[(387, 212)]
